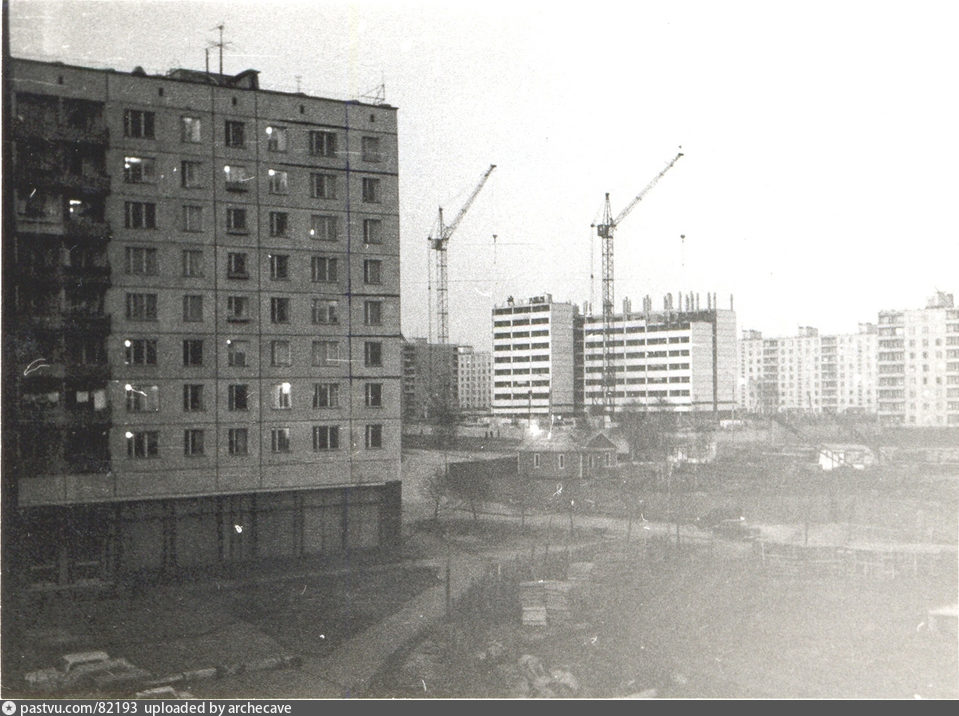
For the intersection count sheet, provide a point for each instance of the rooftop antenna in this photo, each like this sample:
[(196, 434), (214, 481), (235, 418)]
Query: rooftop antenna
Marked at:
[(298, 78), (221, 44), (377, 95)]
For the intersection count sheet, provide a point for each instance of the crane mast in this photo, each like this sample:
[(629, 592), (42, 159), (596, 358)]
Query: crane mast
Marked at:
[(605, 231), (438, 242)]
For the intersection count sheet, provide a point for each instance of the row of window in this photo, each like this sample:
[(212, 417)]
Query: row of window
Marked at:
[(146, 398), (325, 353), (142, 307), (144, 444), (141, 124), (593, 460)]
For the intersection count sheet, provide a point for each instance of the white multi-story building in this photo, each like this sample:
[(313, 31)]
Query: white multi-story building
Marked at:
[(918, 364), (474, 379)]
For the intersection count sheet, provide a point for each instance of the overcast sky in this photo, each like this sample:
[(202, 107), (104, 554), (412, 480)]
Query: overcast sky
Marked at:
[(820, 180)]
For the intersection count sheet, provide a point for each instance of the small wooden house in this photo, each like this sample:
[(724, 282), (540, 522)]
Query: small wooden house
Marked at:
[(566, 455)]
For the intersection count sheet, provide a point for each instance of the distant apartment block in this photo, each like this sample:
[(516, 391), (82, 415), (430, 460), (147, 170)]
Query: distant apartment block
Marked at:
[(474, 379), (430, 380)]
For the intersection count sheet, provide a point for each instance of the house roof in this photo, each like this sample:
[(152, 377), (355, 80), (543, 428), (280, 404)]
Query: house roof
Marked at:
[(565, 441)]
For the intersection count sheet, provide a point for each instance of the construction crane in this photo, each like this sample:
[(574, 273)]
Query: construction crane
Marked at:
[(605, 231), (438, 240)]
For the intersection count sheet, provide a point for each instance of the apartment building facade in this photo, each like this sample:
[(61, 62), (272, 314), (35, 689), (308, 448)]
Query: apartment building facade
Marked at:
[(430, 380), (202, 287), (474, 375)]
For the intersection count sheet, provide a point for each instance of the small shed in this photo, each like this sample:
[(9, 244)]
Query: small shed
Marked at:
[(833, 455), (565, 455)]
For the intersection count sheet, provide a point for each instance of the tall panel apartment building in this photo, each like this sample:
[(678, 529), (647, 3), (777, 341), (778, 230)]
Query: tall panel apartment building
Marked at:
[(533, 358), (474, 379), (430, 380), (202, 295), (680, 360), (919, 364)]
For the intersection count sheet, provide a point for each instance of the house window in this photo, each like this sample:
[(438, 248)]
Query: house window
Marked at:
[(142, 398), (141, 306), (237, 308), (279, 267), (190, 130), (236, 220), (236, 353), (276, 139), (236, 265), (280, 353), (192, 218), (281, 396), (373, 354), (323, 269), (139, 170), (140, 351), (609, 458), (373, 313), (323, 186), (192, 263), (280, 440), (192, 442), (138, 124), (324, 311), (323, 144), (192, 308), (562, 461), (326, 353), (192, 352), (323, 227), (371, 149), (140, 261), (374, 437), (279, 310), (237, 439), (192, 398), (238, 397), (374, 395), (235, 177), (279, 181), (535, 459), (326, 395), (143, 444), (326, 437), (372, 271), (139, 215), (371, 190), (372, 231), (235, 133), (190, 174), (279, 223)]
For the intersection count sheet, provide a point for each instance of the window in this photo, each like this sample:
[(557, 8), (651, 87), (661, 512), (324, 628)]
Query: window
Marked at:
[(326, 395), (326, 353), (142, 398), (236, 353), (371, 190), (276, 139), (139, 215), (562, 461), (280, 439), (535, 459), (192, 442), (323, 186), (374, 395), (373, 313), (192, 398), (371, 149), (374, 437), (279, 223), (190, 129), (281, 396), (279, 181), (141, 306), (238, 308), (236, 220), (323, 228), (192, 218), (372, 231), (235, 133), (279, 310), (323, 269), (138, 124), (237, 439), (192, 308), (373, 354), (280, 353), (238, 397), (235, 177), (324, 311), (323, 144), (279, 267), (140, 351), (373, 271), (190, 174), (236, 265), (143, 444), (192, 263), (140, 261), (139, 170), (192, 352), (326, 437)]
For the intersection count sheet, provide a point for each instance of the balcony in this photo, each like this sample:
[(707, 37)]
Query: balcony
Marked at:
[(85, 322), (97, 275), (57, 178), (88, 371), (237, 186), (61, 416), (93, 132), (87, 229)]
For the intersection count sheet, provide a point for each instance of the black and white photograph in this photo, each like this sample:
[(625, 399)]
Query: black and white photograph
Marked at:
[(409, 350)]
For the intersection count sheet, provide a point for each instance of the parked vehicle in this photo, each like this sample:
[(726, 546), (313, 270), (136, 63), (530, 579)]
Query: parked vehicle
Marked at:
[(84, 669)]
